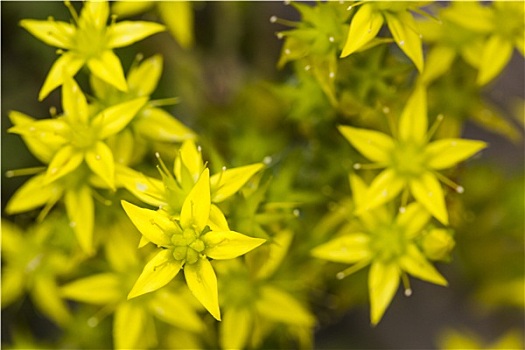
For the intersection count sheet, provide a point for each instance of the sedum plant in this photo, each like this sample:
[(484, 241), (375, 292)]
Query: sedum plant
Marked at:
[(248, 220)]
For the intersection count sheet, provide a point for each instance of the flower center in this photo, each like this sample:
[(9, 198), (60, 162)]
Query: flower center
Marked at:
[(388, 243), (90, 41), (83, 136), (187, 246), (408, 160)]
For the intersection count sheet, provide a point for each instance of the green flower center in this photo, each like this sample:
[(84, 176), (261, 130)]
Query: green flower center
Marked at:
[(187, 246), (408, 160), (388, 243), (90, 41), (83, 136)]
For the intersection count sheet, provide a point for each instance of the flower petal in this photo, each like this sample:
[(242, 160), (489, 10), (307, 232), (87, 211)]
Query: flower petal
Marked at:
[(427, 190), (66, 65), (81, 212), (236, 325), (107, 67), (217, 220), (148, 190), (129, 325), (94, 13), (196, 208), (157, 124), (33, 194), (202, 282), (128, 32), (154, 226), (66, 160), (349, 248), (74, 102), (178, 16), (175, 310), (280, 306), (54, 33), (143, 79), (158, 272), (415, 263), (191, 158), (374, 145), (383, 280), (44, 294), (413, 220), (364, 27), (115, 118), (100, 160), (438, 62), (442, 154), (100, 289), (402, 26), (227, 182), (413, 122), (387, 185), (228, 244)]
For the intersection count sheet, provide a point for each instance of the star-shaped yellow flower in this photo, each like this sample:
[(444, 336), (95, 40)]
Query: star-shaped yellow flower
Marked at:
[(89, 41), (411, 162), (188, 242)]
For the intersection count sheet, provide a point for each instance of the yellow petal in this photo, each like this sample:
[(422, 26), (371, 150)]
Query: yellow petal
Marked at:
[(162, 305), (383, 280), (32, 194), (81, 213), (374, 145), (438, 62), (190, 157), (54, 33), (115, 118), (427, 190), (66, 65), (129, 325), (442, 154), (107, 67), (100, 160), (66, 160), (196, 208), (217, 220), (46, 297), (94, 13), (228, 244), (386, 186), (202, 282), (130, 8), (227, 182), (495, 56), (143, 79), (158, 272), (402, 26), (280, 306), (128, 32), (157, 124), (413, 220), (148, 190), (13, 285), (349, 248), (178, 16), (74, 102), (364, 27), (413, 122), (235, 327), (100, 289), (415, 263), (154, 226)]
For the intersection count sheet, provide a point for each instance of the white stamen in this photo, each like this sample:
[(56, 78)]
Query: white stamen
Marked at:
[(331, 75), (92, 322), (287, 51), (460, 189), (296, 212), (408, 292), (331, 39), (267, 160), (357, 166), (340, 275), (273, 19), (307, 67), (402, 210)]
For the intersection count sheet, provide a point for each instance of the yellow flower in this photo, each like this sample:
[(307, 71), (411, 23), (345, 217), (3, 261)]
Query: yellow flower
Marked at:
[(411, 161), (188, 242), (89, 41)]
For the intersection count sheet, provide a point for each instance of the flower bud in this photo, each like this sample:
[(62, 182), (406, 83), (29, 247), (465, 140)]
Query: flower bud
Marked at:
[(438, 244)]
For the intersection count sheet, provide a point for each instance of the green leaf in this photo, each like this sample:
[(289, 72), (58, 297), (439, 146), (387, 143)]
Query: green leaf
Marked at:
[(196, 208), (107, 67), (227, 182), (374, 145), (74, 102), (129, 325), (81, 212), (235, 327), (442, 154), (349, 248), (386, 186), (427, 190), (202, 282), (280, 306), (154, 226), (383, 281), (128, 32), (115, 118), (228, 244), (402, 26), (100, 289), (100, 160), (158, 272), (413, 122), (66, 65), (158, 125), (54, 33), (364, 27), (415, 263), (175, 310), (495, 56)]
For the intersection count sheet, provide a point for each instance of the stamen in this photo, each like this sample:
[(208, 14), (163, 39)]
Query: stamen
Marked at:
[(406, 284), (24, 172), (72, 10), (98, 197), (354, 5), (169, 101), (435, 126), (449, 183), (284, 22), (352, 269), (368, 166)]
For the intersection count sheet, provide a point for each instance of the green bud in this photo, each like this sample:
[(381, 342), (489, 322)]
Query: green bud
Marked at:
[(438, 244), (192, 256), (180, 252)]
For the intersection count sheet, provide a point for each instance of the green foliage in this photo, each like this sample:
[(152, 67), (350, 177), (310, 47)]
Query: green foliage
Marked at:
[(227, 226)]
